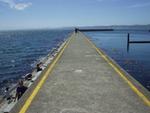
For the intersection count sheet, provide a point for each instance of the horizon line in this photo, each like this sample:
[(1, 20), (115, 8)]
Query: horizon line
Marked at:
[(71, 27)]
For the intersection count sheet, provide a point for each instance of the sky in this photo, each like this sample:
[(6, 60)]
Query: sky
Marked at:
[(28, 14)]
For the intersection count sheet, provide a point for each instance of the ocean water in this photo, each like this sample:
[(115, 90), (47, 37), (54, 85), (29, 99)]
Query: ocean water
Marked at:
[(21, 50), (136, 61)]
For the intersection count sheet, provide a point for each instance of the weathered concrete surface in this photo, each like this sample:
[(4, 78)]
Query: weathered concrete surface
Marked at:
[(82, 82)]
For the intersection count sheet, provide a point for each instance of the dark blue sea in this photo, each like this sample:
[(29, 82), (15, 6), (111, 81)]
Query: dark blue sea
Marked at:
[(21, 50), (136, 61)]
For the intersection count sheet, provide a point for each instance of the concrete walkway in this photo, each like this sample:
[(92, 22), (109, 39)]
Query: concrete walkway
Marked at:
[(83, 82)]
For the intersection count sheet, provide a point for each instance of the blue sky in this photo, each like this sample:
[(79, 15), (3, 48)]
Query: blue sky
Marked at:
[(24, 14)]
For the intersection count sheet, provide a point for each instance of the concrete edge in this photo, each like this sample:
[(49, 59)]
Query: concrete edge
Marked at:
[(138, 85), (21, 102)]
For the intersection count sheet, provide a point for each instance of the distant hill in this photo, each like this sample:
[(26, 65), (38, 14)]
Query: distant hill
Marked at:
[(130, 27)]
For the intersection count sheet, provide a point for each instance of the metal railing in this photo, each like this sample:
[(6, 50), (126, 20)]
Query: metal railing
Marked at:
[(133, 42)]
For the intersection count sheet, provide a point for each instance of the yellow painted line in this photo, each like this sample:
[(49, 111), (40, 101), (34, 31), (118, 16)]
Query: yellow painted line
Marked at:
[(139, 93), (39, 85)]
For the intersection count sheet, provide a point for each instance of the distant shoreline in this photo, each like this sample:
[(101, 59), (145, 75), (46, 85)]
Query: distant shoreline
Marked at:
[(72, 27)]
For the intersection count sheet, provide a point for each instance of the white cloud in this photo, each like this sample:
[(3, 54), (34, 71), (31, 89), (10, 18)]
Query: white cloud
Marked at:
[(22, 6), (16, 5), (140, 5)]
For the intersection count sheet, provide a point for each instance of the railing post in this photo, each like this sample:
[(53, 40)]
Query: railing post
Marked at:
[(128, 41)]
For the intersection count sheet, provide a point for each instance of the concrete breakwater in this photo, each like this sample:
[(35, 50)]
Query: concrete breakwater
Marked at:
[(82, 79)]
